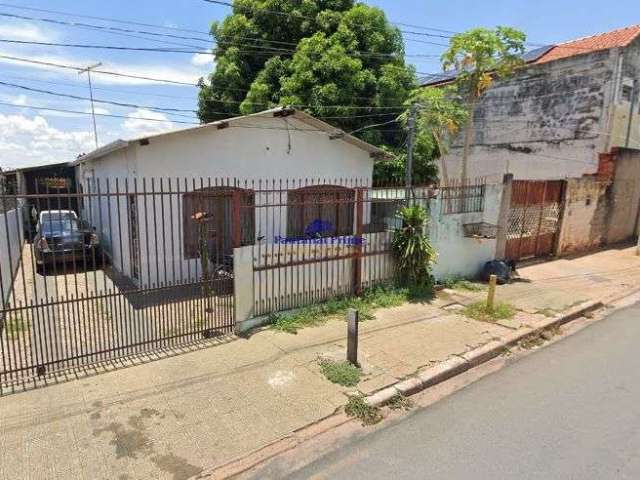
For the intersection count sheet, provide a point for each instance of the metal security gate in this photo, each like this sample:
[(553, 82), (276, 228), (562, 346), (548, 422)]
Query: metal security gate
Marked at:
[(534, 219), (121, 268)]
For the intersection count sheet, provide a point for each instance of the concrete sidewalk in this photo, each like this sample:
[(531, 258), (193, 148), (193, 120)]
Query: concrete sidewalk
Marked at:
[(178, 416)]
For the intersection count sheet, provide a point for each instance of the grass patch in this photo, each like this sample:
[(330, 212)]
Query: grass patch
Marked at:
[(15, 324), (460, 283), (371, 300), (358, 408), (400, 402), (342, 373), (480, 311)]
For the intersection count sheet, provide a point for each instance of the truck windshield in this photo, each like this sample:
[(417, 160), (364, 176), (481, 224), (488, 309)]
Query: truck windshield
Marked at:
[(58, 223)]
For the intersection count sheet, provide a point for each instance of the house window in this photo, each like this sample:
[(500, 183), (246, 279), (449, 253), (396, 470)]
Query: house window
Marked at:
[(320, 211), (217, 204)]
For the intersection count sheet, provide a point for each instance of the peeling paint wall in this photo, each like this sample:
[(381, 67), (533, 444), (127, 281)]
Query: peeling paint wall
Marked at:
[(602, 210), (550, 121)]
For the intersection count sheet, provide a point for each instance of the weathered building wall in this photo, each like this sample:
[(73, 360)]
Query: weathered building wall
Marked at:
[(548, 122), (602, 209), (584, 223), (625, 197), (625, 129)]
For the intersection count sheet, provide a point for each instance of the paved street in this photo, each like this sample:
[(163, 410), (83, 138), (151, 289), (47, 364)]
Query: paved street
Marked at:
[(569, 411)]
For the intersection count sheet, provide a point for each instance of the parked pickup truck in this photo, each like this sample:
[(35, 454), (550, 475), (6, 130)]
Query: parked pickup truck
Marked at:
[(62, 237)]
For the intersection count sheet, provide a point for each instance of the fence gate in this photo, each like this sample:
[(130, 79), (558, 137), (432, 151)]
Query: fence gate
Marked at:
[(534, 219), (126, 268)]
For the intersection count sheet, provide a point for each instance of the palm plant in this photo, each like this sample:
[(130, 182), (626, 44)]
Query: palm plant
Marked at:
[(412, 250)]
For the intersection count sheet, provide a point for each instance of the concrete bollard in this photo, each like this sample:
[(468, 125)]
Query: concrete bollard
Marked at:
[(352, 336)]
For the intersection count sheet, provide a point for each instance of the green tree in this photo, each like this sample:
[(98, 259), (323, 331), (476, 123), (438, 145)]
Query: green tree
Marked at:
[(440, 115), (331, 57), (478, 56)]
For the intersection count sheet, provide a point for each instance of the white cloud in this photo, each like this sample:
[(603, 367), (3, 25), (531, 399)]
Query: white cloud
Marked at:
[(26, 32), (20, 100), (28, 141), (184, 73), (136, 126), (201, 59)]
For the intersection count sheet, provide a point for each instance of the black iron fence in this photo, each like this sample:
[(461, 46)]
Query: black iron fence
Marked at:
[(127, 266), (121, 268), (463, 197)]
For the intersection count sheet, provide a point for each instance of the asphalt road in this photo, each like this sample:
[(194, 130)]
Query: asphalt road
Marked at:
[(569, 411)]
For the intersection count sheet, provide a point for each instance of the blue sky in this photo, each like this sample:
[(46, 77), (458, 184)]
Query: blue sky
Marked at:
[(30, 137)]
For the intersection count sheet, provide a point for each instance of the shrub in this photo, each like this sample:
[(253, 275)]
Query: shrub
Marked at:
[(413, 252)]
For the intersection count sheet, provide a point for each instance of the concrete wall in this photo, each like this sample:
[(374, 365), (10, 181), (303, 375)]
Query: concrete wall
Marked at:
[(550, 121), (255, 149), (11, 241), (459, 256), (602, 210)]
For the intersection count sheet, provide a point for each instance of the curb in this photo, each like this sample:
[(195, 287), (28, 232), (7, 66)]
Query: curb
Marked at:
[(453, 366), (458, 364)]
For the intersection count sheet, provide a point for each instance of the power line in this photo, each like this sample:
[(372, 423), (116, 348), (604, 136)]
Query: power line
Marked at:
[(104, 19), (264, 51), (174, 111), (103, 72)]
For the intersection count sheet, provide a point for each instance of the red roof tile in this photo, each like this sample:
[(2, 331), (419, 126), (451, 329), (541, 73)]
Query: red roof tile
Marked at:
[(603, 41)]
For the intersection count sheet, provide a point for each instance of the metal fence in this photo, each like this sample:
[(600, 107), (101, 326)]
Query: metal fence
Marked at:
[(128, 266), (122, 268), (463, 197), (320, 239)]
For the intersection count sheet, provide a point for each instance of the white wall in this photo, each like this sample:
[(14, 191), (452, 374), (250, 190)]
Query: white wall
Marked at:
[(255, 149), (11, 240), (459, 256)]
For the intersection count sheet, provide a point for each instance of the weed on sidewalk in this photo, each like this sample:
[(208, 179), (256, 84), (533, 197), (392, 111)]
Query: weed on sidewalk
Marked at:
[(371, 300), (357, 407), (341, 373), (481, 311)]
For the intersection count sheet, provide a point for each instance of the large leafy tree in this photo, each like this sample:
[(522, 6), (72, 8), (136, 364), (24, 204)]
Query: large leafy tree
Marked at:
[(334, 58), (479, 56)]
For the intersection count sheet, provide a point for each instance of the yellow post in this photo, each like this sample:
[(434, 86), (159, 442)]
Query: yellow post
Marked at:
[(491, 295)]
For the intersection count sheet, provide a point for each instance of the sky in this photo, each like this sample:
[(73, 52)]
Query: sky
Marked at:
[(33, 137)]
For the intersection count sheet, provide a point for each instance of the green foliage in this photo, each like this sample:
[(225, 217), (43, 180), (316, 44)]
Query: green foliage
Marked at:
[(371, 300), (342, 373), (317, 53), (411, 247), (480, 53), (358, 407), (460, 283), (480, 311)]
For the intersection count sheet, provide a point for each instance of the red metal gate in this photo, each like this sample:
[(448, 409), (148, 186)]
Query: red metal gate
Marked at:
[(534, 218)]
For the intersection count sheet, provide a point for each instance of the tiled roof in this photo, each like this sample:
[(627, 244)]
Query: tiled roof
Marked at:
[(603, 41)]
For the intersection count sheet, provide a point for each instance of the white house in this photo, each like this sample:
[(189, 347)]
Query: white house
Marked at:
[(151, 237)]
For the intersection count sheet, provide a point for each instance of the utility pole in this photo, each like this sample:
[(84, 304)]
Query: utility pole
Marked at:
[(634, 96), (93, 112), (410, 144)]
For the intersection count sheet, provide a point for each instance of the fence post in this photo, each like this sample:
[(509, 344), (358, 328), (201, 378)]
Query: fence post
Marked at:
[(357, 259), (503, 216), (236, 225)]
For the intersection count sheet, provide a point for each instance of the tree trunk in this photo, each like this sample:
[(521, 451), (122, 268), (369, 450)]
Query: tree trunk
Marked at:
[(468, 137)]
